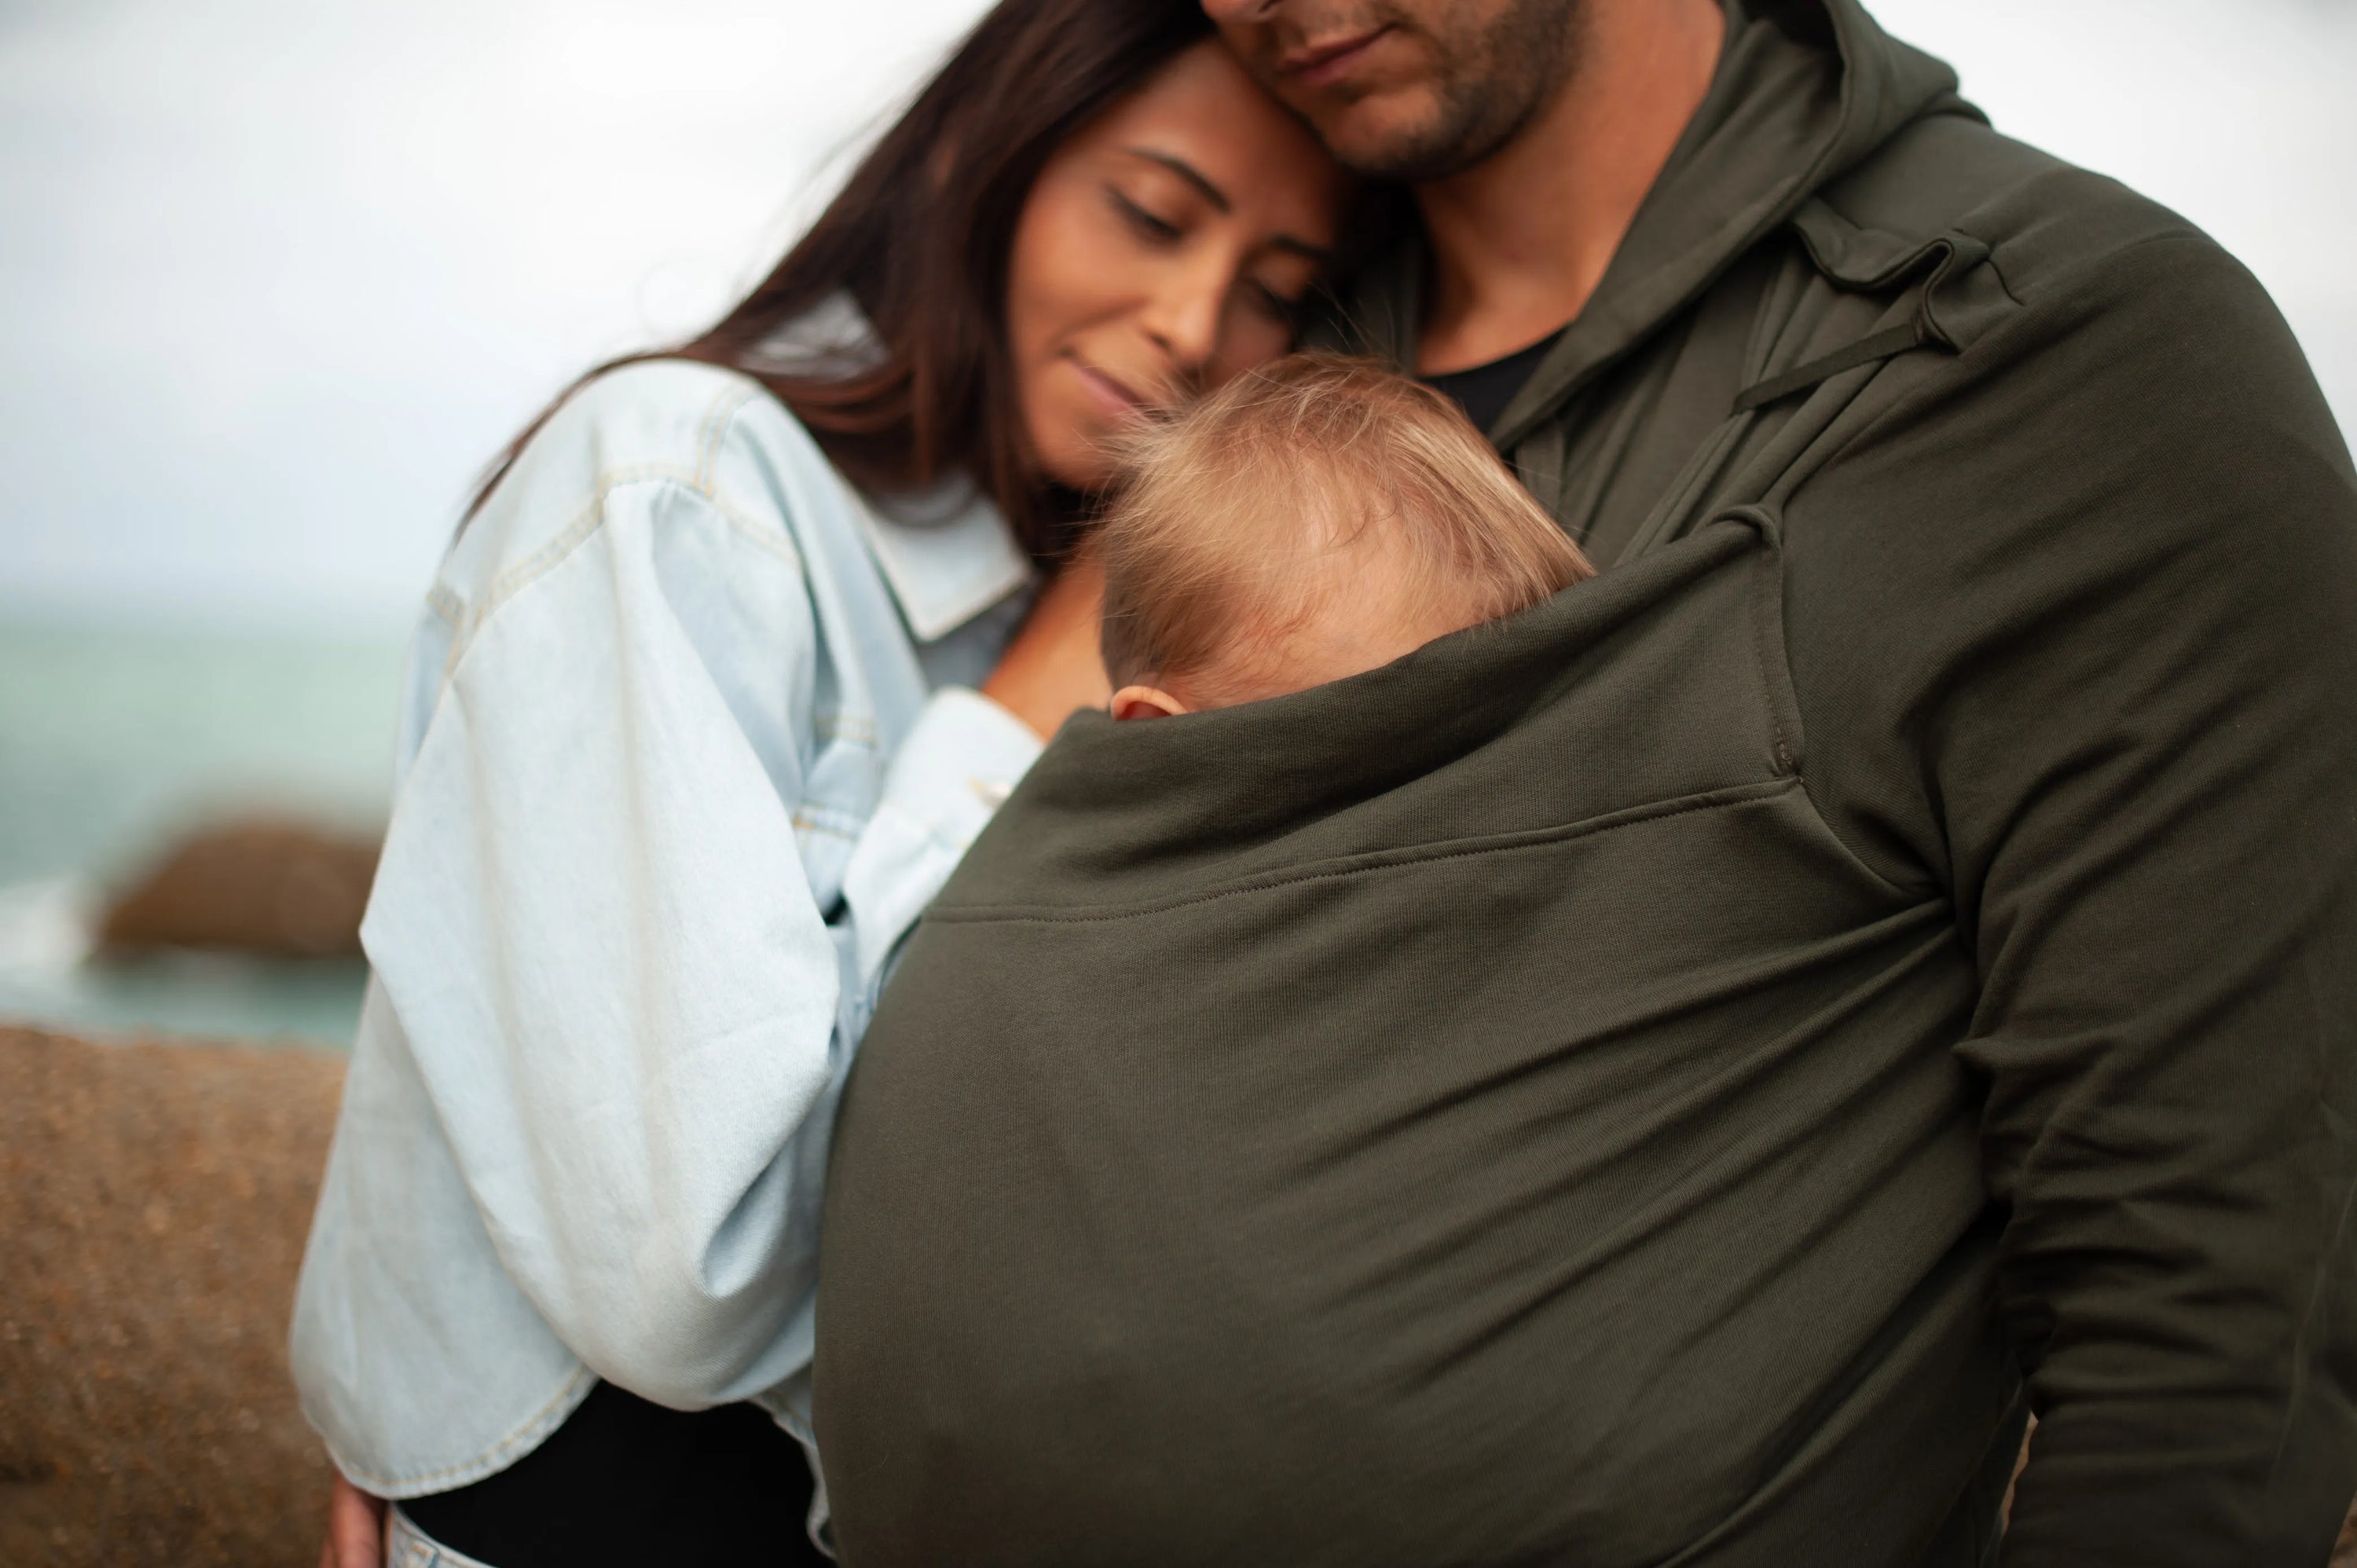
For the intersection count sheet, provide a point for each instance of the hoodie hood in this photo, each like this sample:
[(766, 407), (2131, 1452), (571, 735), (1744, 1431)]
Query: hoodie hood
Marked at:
[(1806, 90)]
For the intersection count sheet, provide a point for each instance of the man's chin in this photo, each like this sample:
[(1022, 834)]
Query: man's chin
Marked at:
[(1404, 160), (1388, 136)]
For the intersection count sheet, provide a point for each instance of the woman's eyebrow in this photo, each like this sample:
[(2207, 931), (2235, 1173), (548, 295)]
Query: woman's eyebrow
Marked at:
[(1188, 172), (1218, 198)]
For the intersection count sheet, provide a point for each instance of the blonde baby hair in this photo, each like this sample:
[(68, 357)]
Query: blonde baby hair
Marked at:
[(1316, 485)]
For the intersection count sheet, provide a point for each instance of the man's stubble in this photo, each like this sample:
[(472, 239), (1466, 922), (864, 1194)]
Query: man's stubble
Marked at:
[(1489, 82)]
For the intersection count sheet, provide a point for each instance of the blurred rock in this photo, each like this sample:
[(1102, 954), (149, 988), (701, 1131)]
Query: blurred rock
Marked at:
[(262, 886), (154, 1202)]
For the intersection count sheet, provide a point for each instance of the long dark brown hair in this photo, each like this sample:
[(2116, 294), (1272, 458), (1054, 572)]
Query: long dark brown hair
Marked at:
[(919, 238)]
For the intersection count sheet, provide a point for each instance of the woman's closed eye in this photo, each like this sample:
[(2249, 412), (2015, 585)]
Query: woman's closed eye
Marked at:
[(1280, 281), (1284, 308), (1281, 300), (1149, 224)]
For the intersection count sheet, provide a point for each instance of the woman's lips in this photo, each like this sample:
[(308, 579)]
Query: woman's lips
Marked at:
[(1114, 395), (1321, 65)]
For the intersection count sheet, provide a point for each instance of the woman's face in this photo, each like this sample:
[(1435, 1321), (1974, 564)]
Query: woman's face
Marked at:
[(1166, 247)]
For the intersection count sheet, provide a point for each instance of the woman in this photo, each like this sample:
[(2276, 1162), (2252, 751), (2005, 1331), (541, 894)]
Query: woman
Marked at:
[(714, 689)]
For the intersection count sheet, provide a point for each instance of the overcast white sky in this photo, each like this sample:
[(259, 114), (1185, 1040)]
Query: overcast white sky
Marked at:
[(277, 276)]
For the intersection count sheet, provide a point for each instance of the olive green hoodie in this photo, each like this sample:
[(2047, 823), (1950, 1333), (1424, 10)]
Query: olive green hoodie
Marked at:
[(1668, 1079)]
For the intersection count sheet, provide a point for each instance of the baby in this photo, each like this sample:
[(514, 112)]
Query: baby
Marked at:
[(1311, 520)]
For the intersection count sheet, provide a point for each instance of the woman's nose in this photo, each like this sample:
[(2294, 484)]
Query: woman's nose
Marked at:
[(1183, 317)]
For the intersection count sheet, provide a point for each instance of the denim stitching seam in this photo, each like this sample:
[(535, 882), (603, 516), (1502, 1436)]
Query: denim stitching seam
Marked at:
[(522, 1437)]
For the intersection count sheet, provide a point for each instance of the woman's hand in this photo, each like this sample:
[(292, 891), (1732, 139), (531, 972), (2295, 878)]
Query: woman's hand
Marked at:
[(355, 1529), (1053, 669)]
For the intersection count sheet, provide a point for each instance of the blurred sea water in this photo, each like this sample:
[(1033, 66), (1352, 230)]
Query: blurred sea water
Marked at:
[(115, 738)]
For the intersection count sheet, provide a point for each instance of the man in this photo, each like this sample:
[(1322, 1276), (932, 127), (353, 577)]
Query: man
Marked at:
[(2054, 548), (2049, 569)]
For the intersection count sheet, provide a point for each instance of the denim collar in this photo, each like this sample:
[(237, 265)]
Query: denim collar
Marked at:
[(947, 554)]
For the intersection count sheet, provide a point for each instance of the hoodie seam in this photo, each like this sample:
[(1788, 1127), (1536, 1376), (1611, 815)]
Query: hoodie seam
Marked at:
[(1343, 867)]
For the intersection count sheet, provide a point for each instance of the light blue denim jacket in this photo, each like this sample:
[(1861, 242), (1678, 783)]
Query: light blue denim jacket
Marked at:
[(687, 744)]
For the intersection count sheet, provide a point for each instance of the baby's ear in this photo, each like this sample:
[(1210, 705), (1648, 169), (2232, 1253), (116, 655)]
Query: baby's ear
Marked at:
[(1145, 702)]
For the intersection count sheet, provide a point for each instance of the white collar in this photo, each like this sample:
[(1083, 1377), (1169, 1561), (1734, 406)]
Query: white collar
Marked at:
[(947, 554)]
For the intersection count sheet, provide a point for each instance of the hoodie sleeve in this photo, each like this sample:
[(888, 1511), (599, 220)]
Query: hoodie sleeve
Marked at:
[(2106, 704)]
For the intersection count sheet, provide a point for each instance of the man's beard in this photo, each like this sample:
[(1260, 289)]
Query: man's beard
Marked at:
[(1490, 85)]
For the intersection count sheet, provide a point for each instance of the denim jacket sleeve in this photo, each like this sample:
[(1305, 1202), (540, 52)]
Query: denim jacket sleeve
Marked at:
[(630, 1007)]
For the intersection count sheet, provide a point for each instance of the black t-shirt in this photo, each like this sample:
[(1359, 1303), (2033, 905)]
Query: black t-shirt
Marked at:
[(1484, 391), (625, 1483)]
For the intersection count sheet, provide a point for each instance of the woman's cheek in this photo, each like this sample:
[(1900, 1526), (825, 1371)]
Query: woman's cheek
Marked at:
[(1038, 321), (1074, 258), (1037, 265)]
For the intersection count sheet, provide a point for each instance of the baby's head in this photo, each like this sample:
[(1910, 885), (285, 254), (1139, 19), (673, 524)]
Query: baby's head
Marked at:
[(1313, 520)]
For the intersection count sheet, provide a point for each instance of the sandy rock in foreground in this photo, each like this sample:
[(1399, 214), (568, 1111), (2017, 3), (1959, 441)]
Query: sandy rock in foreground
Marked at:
[(154, 1201)]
